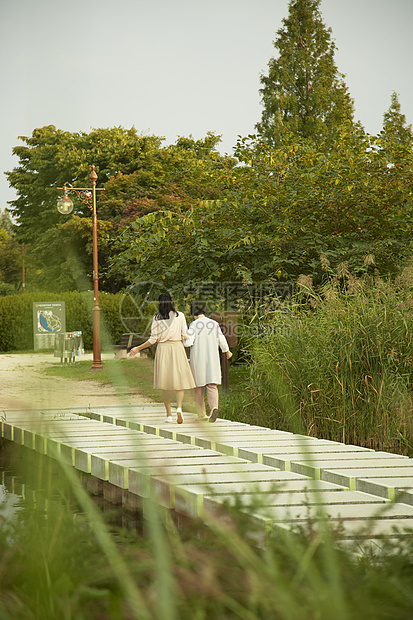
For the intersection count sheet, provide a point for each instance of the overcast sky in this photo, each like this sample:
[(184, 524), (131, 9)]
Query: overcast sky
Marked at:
[(179, 67)]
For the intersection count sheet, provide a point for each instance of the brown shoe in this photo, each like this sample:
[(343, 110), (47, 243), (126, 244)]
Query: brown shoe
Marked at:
[(179, 416), (214, 415)]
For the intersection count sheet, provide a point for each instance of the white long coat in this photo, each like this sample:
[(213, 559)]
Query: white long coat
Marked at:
[(205, 336)]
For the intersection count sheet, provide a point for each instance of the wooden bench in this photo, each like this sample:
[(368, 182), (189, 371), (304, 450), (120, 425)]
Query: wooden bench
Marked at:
[(127, 342)]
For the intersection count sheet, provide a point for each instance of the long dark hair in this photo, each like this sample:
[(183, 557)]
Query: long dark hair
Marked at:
[(165, 306)]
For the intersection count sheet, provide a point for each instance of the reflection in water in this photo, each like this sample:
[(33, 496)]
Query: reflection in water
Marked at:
[(25, 479), (9, 504), (10, 500)]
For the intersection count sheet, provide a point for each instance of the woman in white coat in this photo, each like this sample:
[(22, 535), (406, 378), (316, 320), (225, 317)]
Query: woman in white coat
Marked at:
[(205, 340)]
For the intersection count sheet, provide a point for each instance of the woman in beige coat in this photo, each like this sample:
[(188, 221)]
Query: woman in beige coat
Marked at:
[(171, 369)]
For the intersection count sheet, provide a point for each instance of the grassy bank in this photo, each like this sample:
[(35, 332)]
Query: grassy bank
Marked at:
[(123, 373)]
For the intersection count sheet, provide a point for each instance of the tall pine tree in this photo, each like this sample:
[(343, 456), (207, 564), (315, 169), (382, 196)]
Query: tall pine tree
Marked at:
[(397, 135), (303, 94)]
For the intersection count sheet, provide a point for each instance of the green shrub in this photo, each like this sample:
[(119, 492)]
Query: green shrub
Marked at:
[(16, 318), (16, 322), (6, 289)]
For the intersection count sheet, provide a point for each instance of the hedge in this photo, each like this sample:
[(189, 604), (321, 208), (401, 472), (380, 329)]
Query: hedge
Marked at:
[(16, 317)]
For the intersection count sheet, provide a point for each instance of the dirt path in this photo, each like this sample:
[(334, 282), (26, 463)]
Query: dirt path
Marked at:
[(23, 386)]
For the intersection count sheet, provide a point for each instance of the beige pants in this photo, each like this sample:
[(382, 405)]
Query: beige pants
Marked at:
[(212, 398)]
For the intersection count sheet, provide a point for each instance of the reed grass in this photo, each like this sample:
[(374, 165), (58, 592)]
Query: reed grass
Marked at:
[(344, 372)]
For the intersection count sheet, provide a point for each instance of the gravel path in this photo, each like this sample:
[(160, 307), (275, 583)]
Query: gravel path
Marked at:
[(23, 386)]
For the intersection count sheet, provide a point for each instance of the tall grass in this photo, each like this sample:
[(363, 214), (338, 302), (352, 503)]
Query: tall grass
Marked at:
[(54, 566), (344, 370)]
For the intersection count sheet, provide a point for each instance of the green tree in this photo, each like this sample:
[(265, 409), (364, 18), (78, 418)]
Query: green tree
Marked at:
[(397, 135), (139, 177), (10, 257), (344, 207), (288, 211), (6, 222), (62, 257), (58, 252), (303, 95), (181, 174), (210, 242), (51, 158)]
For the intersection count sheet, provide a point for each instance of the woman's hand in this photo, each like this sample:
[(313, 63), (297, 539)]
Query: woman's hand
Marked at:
[(228, 354), (132, 352)]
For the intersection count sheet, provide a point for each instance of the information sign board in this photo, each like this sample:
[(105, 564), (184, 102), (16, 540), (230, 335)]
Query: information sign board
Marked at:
[(49, 319)]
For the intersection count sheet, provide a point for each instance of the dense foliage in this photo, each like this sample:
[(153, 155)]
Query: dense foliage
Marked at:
[(284, 212), (139, 176), (51, 158)]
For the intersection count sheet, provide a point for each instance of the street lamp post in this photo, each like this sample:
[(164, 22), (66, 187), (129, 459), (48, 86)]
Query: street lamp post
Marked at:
[(65, 206)]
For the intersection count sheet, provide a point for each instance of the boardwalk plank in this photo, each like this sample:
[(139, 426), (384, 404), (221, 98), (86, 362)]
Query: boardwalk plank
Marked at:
[(195, 468)]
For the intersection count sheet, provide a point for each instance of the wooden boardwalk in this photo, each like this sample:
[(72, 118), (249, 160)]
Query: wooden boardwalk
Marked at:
[(283, 479)]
